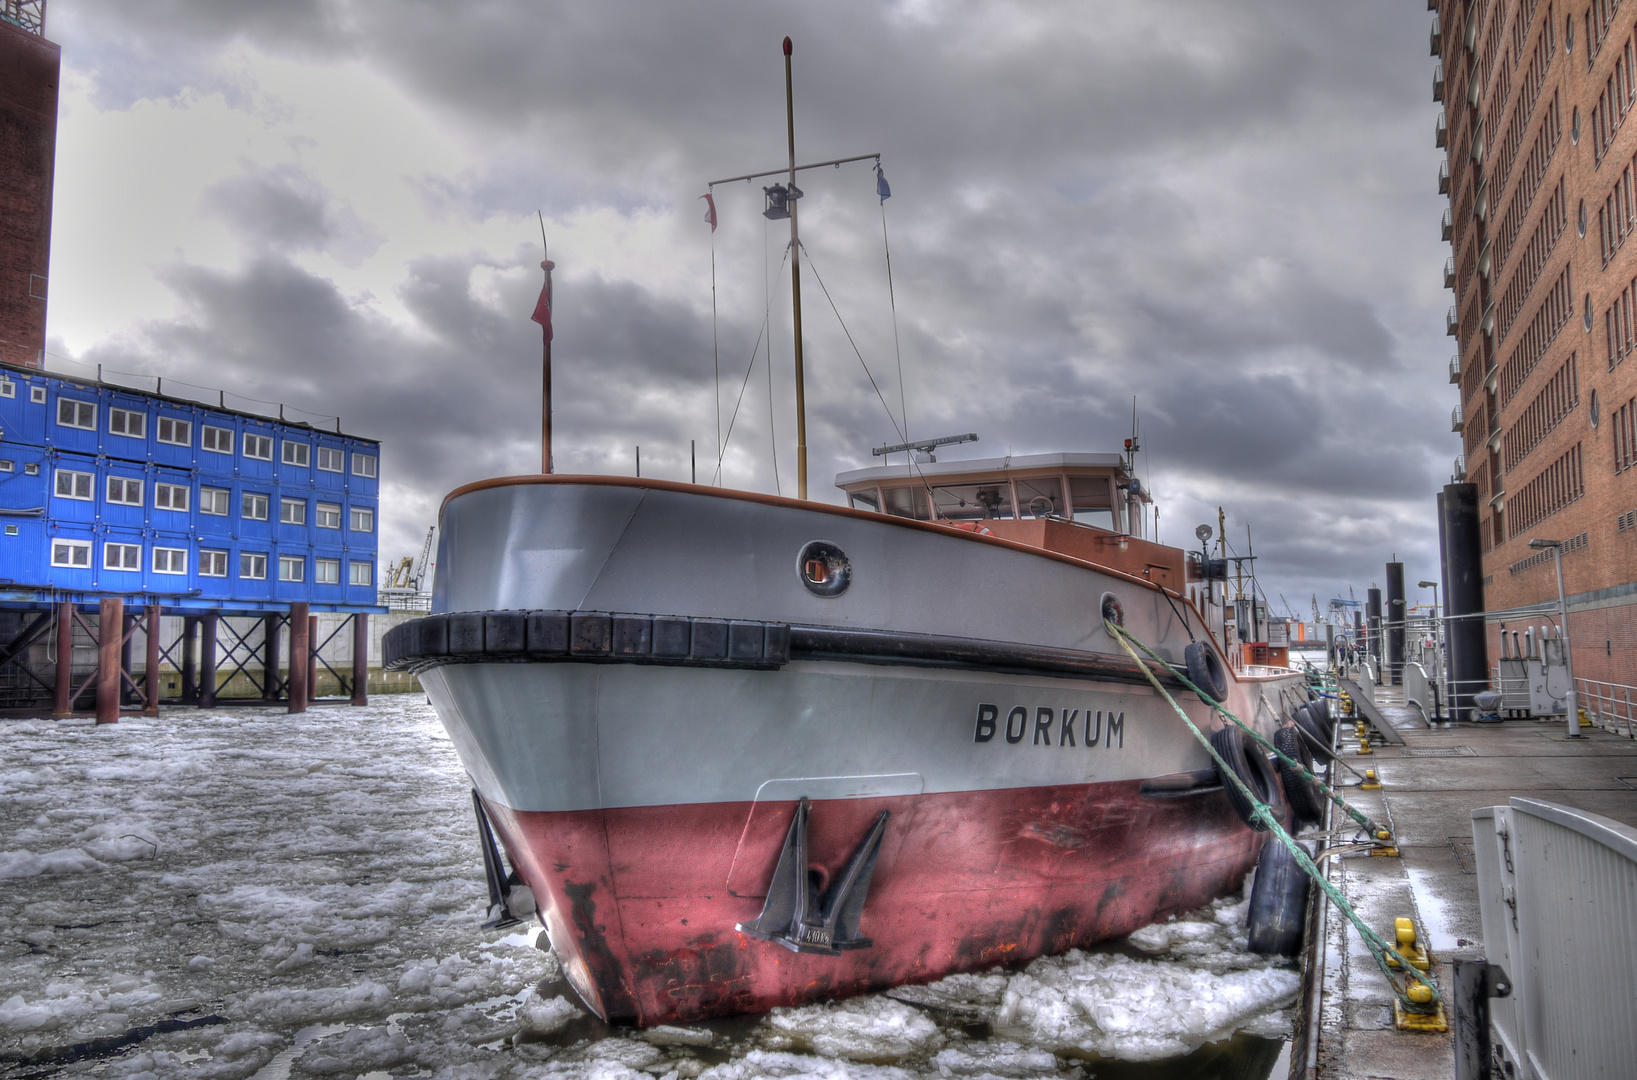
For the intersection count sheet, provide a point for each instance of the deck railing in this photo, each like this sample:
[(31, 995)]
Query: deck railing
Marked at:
[(1609, 705)]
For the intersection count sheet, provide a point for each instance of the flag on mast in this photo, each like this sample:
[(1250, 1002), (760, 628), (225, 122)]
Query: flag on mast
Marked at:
[(542, 307), (881, 187), (710, 210)]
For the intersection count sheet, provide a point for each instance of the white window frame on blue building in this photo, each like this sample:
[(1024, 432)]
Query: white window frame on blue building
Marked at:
[(80, 484), (122, 491), (128, 422), (117, 556), (79, 414), (74, 554)]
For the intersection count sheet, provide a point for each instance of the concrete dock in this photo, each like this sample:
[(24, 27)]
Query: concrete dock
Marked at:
[(1430, 786)]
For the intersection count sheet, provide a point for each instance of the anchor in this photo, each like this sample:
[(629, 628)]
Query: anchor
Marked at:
[(795, 916), (510, 901)]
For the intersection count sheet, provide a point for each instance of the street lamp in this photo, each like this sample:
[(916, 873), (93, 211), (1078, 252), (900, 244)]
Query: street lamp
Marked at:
[(1556, 547), (1437, 632)]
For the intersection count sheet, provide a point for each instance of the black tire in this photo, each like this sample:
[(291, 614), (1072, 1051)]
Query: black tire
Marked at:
[(1278, 902), (1205, 671), (1255, 770), (1306, 803), (1315, 720)]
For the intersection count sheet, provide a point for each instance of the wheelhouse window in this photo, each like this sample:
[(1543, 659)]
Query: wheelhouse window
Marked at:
[(77, 414), (76, 485), (908, 502), (123, 491), (71, 553), (176, 432), (131, 424), (1040, 497), (1093, 499), (866, 500), (973, 502)]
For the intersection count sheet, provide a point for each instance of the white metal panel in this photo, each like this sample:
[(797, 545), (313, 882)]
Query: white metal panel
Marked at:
[(1496, 888)]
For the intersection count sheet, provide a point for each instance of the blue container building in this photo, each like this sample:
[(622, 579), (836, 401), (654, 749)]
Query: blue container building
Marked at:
[(110, 491)]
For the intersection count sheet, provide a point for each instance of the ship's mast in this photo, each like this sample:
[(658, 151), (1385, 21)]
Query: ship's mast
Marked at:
[(795, 283)]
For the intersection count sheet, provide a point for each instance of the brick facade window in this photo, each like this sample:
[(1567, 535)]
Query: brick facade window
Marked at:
[(1529, 87), (1554, 218), (1530, 179), (1554, 401), (1624, 424), (1619, 91), (1553, 313), (1557, 485)]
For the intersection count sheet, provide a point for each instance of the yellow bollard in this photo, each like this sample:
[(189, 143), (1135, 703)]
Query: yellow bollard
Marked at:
[(1370, 782)]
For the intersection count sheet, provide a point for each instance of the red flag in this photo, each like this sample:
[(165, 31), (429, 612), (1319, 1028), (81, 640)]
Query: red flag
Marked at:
[(542, 308), (710, 210)]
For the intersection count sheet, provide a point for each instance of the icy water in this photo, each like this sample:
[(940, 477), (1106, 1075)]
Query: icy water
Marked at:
[(251, 894)]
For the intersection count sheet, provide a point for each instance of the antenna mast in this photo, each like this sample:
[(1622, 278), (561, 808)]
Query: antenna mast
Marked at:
[(795, 284)]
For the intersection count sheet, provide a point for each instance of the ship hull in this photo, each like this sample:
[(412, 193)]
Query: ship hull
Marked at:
[(637, 903)]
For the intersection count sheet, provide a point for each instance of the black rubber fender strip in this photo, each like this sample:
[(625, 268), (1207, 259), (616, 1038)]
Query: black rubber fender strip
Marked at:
[(694, 641)]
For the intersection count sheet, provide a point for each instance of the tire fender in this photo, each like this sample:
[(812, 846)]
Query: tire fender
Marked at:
[(1252, 766), (1205, 671)]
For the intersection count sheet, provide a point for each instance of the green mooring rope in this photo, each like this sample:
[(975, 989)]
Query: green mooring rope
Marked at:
[(1260, 810)]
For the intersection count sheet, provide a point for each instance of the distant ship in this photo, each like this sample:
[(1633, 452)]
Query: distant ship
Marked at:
[(750, 751)]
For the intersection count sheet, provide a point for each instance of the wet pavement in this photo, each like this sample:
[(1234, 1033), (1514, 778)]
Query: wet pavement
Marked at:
[(245, 893), (1431, 785)]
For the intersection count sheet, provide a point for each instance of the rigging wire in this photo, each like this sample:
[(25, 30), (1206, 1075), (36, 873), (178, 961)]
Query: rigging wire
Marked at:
[(903, 409), (755, 349), (716, 351)]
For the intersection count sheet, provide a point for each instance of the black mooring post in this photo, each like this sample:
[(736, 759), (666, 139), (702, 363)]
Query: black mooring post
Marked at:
[(207, 659)]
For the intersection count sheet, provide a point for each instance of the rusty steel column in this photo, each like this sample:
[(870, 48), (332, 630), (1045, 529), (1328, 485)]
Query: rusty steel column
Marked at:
[(127, 689), (312, 657), (360, 658), (190, 666), (150, 677), (270, 658), (207, 660), (301, 654), (110, 631), (62, 703)]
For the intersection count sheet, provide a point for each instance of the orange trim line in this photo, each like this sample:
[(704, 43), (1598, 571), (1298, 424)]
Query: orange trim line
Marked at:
[(823, 508)]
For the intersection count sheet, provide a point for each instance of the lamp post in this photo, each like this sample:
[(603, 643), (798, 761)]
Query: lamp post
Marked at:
[(1556, 547), (1438, 635)]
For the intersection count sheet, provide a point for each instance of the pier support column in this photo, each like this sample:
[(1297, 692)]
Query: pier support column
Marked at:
[(360, 658), (190, 664), (207, 660), (110, 639), (1464, 595), (1397, 625), (301, 655), (62, 703), (312, 657), (270, 658), (150, 678), (127, 692)]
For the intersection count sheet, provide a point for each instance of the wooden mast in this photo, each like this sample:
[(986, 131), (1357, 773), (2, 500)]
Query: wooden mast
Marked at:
[(795, 284), (546, 333)]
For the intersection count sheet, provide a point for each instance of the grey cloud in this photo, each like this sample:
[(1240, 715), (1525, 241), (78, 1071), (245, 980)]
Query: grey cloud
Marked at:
[(285, 209)]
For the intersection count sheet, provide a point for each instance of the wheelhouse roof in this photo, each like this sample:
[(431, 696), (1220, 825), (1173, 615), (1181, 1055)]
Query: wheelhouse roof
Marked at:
[(1012, 463)]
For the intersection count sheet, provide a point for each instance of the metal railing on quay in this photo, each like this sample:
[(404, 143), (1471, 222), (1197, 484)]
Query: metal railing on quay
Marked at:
[(1609, 705)]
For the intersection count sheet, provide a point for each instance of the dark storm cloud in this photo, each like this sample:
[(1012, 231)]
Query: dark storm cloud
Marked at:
[(1213, 207), (285, 209)]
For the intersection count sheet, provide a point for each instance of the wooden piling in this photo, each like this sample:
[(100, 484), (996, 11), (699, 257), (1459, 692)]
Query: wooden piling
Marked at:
[(360, 658), (207, 660), (110, 639), (301, 652), (62, 703), (150, 676)]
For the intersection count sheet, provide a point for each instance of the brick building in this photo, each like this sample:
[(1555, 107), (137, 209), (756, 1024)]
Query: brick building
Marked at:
[(1542, 201), (29, 66)]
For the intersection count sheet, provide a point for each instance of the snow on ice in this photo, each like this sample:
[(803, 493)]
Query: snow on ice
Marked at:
[(248, 894)]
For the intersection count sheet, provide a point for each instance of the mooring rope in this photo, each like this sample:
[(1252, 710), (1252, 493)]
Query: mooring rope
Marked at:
[(1261, 811)]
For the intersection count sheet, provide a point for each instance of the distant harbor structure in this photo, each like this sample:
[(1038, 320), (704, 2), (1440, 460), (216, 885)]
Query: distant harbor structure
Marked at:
[(118, 498)]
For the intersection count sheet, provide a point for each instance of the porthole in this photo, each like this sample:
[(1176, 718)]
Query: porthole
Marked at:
[(1112, 611), (1580, 221), (1595, 410), (823, 568), (1574, 126)]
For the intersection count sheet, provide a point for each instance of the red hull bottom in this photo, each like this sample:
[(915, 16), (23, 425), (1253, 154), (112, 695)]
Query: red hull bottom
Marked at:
[(641, 902)]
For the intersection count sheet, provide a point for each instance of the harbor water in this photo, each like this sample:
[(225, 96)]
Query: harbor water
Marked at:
[(246, 893)]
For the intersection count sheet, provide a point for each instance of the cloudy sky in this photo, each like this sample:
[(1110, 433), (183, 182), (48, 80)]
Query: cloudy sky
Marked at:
[(1228, 210)]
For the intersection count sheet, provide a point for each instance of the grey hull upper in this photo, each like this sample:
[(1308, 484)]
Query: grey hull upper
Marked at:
[(564, 735)]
